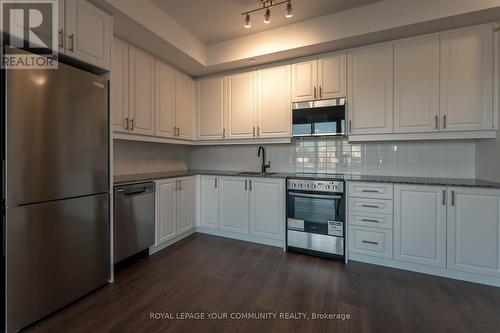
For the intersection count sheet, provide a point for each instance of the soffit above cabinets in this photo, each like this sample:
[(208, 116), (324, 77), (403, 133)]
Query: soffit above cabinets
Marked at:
[(169, 37)]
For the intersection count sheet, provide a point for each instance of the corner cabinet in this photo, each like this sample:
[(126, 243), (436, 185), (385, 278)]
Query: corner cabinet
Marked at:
[(370, 97), (420, 224), (467, 68), (242, 104), (85, 33), (184, 105), (174, 208), (474, 230), (210, 107), (165, 125)]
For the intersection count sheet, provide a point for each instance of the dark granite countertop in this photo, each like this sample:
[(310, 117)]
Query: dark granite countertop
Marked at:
[(121, 179), (424, 181)]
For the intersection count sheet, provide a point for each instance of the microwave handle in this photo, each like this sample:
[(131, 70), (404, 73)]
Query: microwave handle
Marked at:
[(319, 196)]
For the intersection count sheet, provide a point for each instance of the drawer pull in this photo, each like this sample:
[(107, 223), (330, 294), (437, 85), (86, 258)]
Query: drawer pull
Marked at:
[(370, 220), (370, 206), (370, 191), (369, 242)]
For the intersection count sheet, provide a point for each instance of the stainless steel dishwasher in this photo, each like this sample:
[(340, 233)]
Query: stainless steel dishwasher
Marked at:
[(134, 219)]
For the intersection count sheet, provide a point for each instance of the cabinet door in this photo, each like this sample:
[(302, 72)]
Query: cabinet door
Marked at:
[(185, 205), (474, 230), (184, 95), (166, 210), (370, 97), (210, 108), (241, 122), (233, 204), (164, 100), (304, 81), (267, 208), (332, 76), (275, 107), (416, 85), (141, 91), (420, 224), (88, 33), (61, 32), (209, 202), (467, 79), (119, 85)]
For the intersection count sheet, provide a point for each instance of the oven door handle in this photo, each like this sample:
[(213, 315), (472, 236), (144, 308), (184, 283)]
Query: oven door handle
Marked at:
[(319, 196)]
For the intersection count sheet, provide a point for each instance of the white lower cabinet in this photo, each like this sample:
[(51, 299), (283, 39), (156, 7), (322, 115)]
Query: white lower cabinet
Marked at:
[(420, 224), (245, 208), (267, 208), (474, 230), (174, 208), (209, 202), (370, 241)]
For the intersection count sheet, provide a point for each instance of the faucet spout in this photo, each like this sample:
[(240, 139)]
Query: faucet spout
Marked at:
[(264, 165)]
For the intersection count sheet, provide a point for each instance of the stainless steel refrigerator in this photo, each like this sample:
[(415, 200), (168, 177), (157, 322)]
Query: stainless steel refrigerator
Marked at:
[(56, 190)]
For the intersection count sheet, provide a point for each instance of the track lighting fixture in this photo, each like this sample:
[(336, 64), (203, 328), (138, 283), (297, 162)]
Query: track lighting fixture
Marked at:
[(266, 5)]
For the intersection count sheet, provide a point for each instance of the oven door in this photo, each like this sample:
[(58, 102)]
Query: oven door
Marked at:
[(319, 213)]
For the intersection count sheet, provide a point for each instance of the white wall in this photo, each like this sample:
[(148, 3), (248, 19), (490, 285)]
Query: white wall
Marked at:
[(453, 159), (140, 157)]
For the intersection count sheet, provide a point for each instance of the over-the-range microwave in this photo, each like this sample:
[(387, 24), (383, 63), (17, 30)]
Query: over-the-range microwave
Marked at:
[(319, 118)]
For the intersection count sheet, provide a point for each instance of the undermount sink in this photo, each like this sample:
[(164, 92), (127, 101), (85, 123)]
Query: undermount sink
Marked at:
[(255, 173)]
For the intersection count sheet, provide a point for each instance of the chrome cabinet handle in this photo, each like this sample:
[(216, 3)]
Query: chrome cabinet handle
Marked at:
[(314, 92), (246, 187), (178, 131), (126, 122), (444, 197), (320, 92), (132, 124), (258, 130), (180, 185), (223, 133), (61, 38), (250, 183), (254, 131), (370, 191), (350, 126), (215, 182), (72, 39), (175, 130), (369, 242), (444, 121), (370, 220), (370, 206), (437, 122), (453, 198)]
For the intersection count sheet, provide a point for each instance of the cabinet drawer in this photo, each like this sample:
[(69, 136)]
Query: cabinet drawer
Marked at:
[(370, 220), (370, 241), (376, 206), (370, 190)]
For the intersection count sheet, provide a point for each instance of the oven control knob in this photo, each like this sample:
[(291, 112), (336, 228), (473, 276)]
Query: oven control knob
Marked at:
[(314, 186), (300, 185), (307, 186), (334, 187), (327, 187)]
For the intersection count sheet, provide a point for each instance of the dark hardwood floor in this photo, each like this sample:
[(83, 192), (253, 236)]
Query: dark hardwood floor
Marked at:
[(216, 275)]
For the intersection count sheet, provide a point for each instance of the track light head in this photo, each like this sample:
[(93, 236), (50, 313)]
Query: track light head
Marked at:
[(267, 16), (248, 23), (289, 10)]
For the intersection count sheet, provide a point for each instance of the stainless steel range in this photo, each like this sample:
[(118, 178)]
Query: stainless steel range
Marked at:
[(316, 215)]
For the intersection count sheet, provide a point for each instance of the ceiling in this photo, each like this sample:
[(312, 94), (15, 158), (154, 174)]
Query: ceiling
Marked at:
[(220, 20)]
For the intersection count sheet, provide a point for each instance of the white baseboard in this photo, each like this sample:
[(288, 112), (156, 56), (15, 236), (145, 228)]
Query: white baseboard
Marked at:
[(246, 238), (443, 272), (155, 248)]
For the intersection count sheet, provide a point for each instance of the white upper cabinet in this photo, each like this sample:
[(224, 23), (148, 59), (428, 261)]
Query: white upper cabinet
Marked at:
[(267, 208), (467, 79), (184, 106), (165, 125), (274, 109), (210, 108), (321, 78), (332, 76), (474, 230), (233, 201), (370, 92), (141, 91), (119, 88), (304, 81), (241, 120), (420, 224), (416, 85), (209, 202), (88, 33)]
